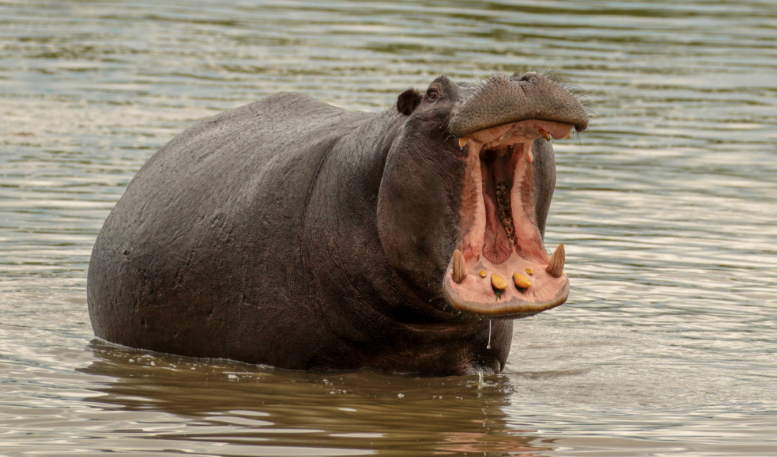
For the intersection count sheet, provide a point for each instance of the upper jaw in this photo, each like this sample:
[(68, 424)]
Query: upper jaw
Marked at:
[(522, 132), (502, 100)]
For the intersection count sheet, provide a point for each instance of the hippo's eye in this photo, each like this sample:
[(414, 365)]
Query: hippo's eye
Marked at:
[(432, 94)]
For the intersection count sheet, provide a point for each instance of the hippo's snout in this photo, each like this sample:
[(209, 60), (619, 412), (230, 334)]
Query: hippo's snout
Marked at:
[(502, 100)]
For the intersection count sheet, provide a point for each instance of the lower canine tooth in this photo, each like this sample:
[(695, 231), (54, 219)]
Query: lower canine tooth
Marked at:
[(459, 272), (556, 265), (521, 281), (463, 142), (545, 135), (498, 282)]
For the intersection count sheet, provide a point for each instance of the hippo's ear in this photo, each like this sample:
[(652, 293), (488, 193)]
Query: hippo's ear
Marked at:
[(408, 101)]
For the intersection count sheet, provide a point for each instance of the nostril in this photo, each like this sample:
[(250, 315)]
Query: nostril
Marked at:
[(528, 76)]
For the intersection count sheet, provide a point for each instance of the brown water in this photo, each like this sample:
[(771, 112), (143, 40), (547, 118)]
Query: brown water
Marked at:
[(667, 207)]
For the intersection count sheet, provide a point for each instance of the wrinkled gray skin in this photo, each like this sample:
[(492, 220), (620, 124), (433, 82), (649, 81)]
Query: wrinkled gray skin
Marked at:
[(295, 234)]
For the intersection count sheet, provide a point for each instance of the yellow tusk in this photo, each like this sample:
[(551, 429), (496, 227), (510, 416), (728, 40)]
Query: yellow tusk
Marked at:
[(556, 265), (459, 272)]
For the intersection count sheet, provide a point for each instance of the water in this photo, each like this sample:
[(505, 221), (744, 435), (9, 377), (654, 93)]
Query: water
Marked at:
[(667, 207)]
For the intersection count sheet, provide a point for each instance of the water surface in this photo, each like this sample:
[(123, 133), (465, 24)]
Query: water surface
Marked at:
[(667, 207)]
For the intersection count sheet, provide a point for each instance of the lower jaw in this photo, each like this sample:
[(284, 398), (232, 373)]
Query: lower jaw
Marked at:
[(515, 288), (505, 307)]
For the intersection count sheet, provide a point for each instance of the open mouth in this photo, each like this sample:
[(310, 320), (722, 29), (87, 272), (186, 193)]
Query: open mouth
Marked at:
[(501, 268)]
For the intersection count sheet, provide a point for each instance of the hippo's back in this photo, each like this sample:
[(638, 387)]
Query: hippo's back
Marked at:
[(197, 255)]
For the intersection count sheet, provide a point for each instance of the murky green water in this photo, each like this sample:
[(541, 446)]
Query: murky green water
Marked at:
[(667, 206)]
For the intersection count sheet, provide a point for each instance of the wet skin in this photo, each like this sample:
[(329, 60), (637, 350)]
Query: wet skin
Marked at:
[(295, 234)]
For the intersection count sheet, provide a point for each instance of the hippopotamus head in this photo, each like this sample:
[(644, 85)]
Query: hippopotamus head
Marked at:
[(466, 189)]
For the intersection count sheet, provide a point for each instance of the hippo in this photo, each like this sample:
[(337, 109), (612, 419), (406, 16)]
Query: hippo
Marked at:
[(299, 235)]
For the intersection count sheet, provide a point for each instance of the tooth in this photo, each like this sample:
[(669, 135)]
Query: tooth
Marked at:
[(463, 141), (530, 271), (483, 273), (498, 282), (521, 281), (545, 135), (459, 272), (569, 135), (556, 265)]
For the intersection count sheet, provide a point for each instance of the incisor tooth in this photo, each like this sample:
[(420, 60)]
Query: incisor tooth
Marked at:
[(530, 271), (545, 134), (483, 273), (463, 142), (498, 282), (521, 280), (556, 265), (459, 272)]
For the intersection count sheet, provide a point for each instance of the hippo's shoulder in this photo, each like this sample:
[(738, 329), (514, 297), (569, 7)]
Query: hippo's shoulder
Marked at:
[(281, 106)]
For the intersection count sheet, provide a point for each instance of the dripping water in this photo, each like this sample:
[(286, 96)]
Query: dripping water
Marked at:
[(488, 346)]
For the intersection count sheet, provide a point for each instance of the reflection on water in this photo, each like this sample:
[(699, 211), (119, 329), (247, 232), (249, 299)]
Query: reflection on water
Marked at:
[(340, 413), (666, 206)]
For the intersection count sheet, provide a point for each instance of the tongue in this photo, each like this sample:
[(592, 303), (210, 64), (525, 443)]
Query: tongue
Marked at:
[(496, 245)]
